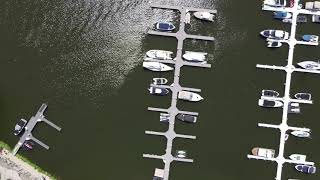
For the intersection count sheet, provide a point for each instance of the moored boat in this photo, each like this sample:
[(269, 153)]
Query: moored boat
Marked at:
[(181, 154), (158, 54), (269, 103), (19, 127), (189, 96), (310, 38), (306, 168), (159, 81), (164, 117), (195, 56), (310, 65), (282, 15), (275, 34), (263, 152), (156, 66), (303, 96), (274, 3), (274, 44), (158, 91), (28, 145), (269, 93), (298, 157), (164, 26), (204, 16), (301, 134), (187, 118)]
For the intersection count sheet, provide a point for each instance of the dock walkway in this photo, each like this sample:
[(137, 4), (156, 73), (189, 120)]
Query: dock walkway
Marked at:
[(181, 35), (289, 69)]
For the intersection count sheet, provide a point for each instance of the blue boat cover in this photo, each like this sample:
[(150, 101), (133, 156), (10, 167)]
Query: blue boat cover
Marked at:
[(165, 26), (280, 14), (307, 37)]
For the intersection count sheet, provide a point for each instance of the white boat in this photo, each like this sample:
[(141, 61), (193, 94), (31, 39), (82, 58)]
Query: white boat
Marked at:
[(275, 34), (310, 65), (158, 91), (316, 18), (204, 16), (195, 56), (269, 93), (263, 152), (304, 96), (189, 96), (181, 154), (298, 157), (158, 54), (164, 117), (159, 81), (302, 134), (269, 103), (156, 66), (274, 3), (274, 44)]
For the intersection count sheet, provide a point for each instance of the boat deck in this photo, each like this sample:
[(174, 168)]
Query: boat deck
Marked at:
[(27, 135), (283, 127), (181, 35)]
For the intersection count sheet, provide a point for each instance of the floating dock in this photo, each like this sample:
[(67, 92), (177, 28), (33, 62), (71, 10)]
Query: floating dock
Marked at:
[(27, 135), (289, 69), (181, 35)]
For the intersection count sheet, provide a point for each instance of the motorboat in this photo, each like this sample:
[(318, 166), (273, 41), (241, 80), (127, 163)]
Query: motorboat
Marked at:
[(204, 16), (310, 38), (158, 174), (195, 56), (313, 6), (275, 34), (159, 81), (164, 26), (263, 152), (310, 65), (298, 157), (28, 145), (293, 108), (301, 134), (158, 91), (158, 54), (274, 44), (19, 127), (303, 96), (274, 3), (300, 19), (269, 103), (282, 15), (164, 117), (156, 66), (181, 154), (316, 18), (306, 168), (286, 137), (187, 118), (269, 93), (189, 96)]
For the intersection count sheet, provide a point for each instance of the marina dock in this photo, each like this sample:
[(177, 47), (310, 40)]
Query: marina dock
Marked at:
[(27, 135), (170, 135), (283, 127)]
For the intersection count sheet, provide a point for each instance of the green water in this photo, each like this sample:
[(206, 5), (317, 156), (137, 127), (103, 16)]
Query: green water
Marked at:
[(84, 59)]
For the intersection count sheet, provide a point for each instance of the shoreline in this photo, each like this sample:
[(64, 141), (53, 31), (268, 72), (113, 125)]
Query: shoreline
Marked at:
[(19, 167)]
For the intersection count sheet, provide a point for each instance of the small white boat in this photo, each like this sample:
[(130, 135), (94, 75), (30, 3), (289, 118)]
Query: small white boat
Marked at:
[(316, 18), (156, 66), (181, 154), (310, 65), (301, 134), (158, 91), (303, 96), (269, 93), (189, 96), (274, 44), (274, 3), (269, 103), (286, 137), (275, 34), (159, 81), (158, 54), (158, 174), (195, 56), (298, 157), (164, 117), (204, 16), (263, 152)]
